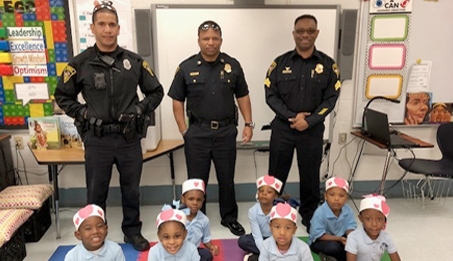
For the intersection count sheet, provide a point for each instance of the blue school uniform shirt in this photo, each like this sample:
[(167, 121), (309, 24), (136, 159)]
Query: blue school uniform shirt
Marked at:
[(259, 223), (367, 249), (110, 251), (198, 230), (324, 221), (188, 252), (298, 251)]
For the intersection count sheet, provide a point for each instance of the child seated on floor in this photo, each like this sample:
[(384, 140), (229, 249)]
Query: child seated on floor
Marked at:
[(332, 222), (268, 189), (368, 242), (198, 230), (91, 229), (283, 244), (171, 231)]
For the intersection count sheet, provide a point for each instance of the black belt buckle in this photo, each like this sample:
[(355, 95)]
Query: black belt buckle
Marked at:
[(215, 125)]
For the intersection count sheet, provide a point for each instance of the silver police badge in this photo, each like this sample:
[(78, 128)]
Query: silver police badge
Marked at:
[(127, 64)]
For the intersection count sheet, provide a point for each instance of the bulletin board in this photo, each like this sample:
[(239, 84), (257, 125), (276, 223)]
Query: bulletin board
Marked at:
[(36, 46), (403, 43)]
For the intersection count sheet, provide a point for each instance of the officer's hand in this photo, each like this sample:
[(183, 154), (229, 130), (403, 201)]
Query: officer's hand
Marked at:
[(247, 134), (299, 123)]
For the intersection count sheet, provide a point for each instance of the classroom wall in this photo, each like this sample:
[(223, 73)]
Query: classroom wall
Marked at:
[(157, 172)]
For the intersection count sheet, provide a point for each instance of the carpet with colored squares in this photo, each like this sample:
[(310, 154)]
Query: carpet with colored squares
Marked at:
[(229, 251)]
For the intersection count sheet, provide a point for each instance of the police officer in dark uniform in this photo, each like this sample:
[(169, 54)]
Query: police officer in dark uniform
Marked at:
[(112, 121), (302, 87), (209, 81)]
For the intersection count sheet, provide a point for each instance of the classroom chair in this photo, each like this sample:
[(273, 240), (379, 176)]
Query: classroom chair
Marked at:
[(432, 170)]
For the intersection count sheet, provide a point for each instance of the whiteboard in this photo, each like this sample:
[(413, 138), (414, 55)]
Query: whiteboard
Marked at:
[(430, 39), (254, 36)]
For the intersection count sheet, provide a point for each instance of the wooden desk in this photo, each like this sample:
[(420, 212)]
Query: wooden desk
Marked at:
[(390, 152), (66, 156)]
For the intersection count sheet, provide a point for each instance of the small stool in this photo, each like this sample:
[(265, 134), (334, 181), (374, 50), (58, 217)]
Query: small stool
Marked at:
[(12, 243), (33, 197)]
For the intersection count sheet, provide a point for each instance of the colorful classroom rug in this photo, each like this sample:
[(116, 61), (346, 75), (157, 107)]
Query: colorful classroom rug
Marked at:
[(229, 251)]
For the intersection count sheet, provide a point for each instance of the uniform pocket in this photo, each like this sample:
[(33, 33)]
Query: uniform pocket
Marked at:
[(286, 83), (195, 86)]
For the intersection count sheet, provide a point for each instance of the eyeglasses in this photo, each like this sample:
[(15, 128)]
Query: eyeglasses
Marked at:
[(104, 5), (308, 31), (207, 25)]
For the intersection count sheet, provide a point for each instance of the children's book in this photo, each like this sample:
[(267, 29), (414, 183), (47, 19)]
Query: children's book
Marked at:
[(44, 132), (70, 138)]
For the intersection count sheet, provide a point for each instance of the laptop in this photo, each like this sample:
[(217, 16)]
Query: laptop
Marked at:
[(377, 127)]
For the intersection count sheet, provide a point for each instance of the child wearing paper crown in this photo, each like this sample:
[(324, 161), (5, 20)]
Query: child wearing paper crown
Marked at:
[(268, 188), (171, 231), (91, 229), (198, 230), (283, 244), (368, 242), (332, 222)]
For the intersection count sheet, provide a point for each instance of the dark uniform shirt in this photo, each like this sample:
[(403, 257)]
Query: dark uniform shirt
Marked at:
[(294, 85), (209, 87), (108, 91)]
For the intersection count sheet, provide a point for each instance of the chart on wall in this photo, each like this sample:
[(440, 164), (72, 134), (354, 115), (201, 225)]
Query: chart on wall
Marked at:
[(84, 11), (35, 47)]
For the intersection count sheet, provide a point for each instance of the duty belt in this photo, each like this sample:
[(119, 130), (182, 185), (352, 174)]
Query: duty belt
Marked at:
[(111, 128), (213, 125)]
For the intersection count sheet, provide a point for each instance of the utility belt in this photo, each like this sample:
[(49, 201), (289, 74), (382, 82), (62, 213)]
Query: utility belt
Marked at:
[(213, 125), (129, 126)]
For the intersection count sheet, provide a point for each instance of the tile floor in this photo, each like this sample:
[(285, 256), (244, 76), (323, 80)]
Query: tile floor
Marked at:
[(420, 234)]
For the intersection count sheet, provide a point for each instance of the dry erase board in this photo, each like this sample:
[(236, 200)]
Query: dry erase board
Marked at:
[(253, 35), (429, 39)]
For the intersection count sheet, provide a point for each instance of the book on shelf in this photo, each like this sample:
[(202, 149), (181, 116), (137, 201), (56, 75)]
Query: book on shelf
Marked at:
[(44, 132), (70, 137)]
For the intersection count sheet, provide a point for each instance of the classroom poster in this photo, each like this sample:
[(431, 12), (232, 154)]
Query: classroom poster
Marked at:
[(34, 50)]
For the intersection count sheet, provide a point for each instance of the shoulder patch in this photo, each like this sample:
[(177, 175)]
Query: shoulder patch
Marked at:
[(177, 70), (68, 72), (145, 65), (336, 69), (271, 68)]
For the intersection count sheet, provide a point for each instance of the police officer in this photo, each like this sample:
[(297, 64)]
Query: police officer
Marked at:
[(302, 87), (107, 76), (209, 81)]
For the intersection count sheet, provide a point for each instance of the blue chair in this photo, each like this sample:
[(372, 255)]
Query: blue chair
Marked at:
[(434, 169)]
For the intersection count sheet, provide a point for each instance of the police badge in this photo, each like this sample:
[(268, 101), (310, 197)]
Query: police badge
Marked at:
[(227, 68), (319, 68), (127, 64)]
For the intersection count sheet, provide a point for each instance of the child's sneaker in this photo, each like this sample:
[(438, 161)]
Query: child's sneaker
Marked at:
[(325, 257), (251, 257)]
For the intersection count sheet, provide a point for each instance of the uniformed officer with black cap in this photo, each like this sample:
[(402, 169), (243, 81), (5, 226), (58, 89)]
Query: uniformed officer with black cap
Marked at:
[(302, 87), (113, 119), (209, 81)]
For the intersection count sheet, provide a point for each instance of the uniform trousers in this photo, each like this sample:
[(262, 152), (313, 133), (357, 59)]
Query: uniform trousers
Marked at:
[(203, 145), (247, 243), (330, 248), (100, 155), (205, 254), (308, 145)]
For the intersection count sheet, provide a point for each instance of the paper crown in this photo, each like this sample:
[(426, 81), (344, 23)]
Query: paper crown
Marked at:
[(269, 181), (86, 212), (337, 182), (284, 210), (171, 215), (192, 184), (375, 202)]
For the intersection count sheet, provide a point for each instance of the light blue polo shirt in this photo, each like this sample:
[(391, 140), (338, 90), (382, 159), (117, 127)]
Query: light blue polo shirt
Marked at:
[(366, 249), (298, 251), (324, 221), (110, 251), (198, 230), (188, 252), (259, 223)]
